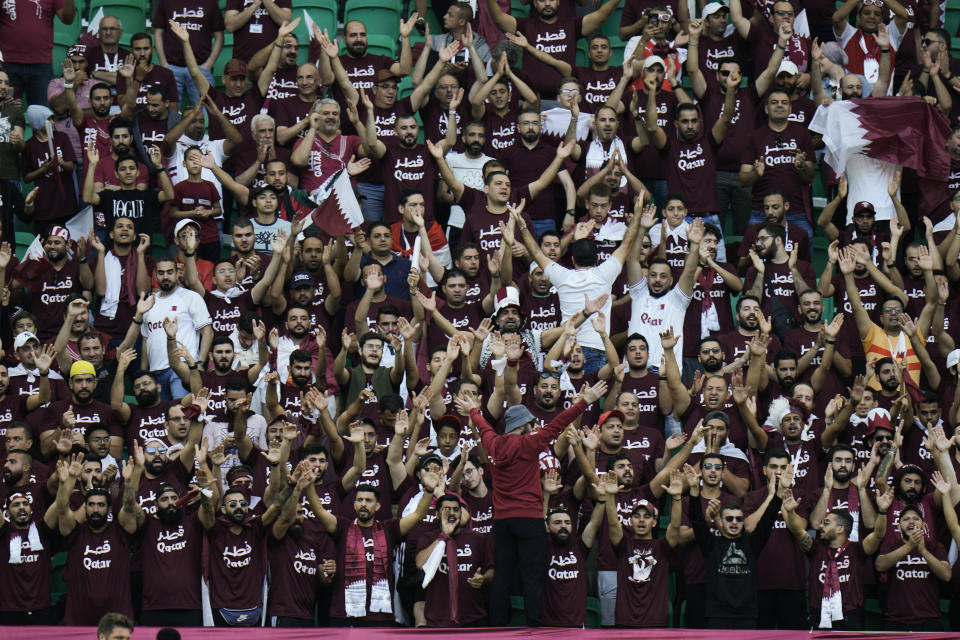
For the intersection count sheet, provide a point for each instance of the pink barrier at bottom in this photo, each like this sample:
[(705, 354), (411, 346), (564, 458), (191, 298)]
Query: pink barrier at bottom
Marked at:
[(512, 633)]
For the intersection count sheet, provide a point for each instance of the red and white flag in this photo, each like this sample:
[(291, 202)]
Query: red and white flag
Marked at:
[(338, 211), (868, 139)]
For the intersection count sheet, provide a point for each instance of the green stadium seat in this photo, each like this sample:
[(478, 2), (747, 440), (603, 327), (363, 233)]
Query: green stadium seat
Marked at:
[(382, 45), (381, 17), (61, 42), (322, 12), (518, 9), (611, 26), (132, 15), (69, 32)]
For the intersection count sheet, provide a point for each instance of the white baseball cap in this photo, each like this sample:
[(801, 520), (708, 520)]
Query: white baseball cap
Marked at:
[(649, 61), (953, 358), (712, 8), (788, 67), (183, 223), (23, 338)]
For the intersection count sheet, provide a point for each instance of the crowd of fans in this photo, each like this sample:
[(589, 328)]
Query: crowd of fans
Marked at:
[(536, 368)]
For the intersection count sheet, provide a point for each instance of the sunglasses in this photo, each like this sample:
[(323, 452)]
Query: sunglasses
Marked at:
[(152, 450), (662, 17), (233, 504), (733, 518), (873, 3), (549, 374), (927, 42), (712, 465)]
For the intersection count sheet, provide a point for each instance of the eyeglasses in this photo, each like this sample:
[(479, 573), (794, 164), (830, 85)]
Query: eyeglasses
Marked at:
[(646, 245), (109, 28), (784, 14), (233, 504), (152, 450), (892, 310), (927, 42), (386, 86), (100, 440), (712, 465), (570, 92), (733, 518), (448, 87), (883, 438), (224, 272), (724, 72), (764, 238)]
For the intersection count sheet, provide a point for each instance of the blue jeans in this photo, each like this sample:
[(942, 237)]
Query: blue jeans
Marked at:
[(31, 79), (185, 82), (372, 201), (593, 359), (714, 219), (540, 226), (658, 188), (171, 387), (799, 219)]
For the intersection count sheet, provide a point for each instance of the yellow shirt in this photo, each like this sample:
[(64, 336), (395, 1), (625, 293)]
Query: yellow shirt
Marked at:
[(878, 345)]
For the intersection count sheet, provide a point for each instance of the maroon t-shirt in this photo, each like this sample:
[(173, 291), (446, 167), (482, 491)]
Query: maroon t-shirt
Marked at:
[(850, 562), (501, 130), (407, 168), (94, 414), (625, 501), (53, 287), (362, 73), (467, 316), (720, 295), (146, 423), (735, 344), (236, 565), (692, 171), (800, 341), (217, 385), (914, 596), (172, 558), (385, 120), (226, 312), (57, 199), (98, 571), (26, 586), (650, 162), (156, 75), (778, 282), (559, 39), (762, 40), (13, 408), (564, 584), (189, 195), (474, 554), (289, 113), (326, 158), (259, 31), (283, 87), (99, 60), (597, 85), (526, 166), (780, 565), (712, 51), (434, 117), (483, 227), (740, 128), (647, 390), (201, 18), (392, 535), (29, 39), (643, 575), (294, 572), (796, 236), (376, 474), (152, 132), (543, 312), (778, 151), (239, 110)]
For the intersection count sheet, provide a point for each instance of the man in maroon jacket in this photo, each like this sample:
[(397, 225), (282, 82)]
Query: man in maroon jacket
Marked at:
[(519, 535)]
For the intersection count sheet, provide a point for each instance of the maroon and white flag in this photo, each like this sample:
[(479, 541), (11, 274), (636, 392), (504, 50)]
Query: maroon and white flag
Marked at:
[(868, 139), (338, 211)]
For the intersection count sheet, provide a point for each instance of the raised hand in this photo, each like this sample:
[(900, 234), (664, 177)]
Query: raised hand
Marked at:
[(668, 340), (594, 393), (675, 488), (885, 500)]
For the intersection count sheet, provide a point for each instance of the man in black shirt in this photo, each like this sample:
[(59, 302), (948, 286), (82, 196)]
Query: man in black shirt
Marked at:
[(730, 559)]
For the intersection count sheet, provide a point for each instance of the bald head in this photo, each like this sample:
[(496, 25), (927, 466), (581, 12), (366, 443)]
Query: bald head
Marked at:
[(355, 38), (308, 81), (851, 86)]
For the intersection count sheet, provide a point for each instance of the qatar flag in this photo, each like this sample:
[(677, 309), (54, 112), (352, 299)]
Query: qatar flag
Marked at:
[(338, 211), (870, 138)]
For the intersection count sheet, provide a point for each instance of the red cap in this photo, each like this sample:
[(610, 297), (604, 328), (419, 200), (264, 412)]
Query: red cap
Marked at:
[(862, 206), (235, 67), (613, 413)]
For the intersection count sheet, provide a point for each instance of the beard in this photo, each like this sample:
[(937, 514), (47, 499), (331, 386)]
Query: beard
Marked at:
[(237, 516), (147, 398), (96, 520), (11, 478), (170, 515), (296, 531), (712, 365), (300, 381), (560, 537)]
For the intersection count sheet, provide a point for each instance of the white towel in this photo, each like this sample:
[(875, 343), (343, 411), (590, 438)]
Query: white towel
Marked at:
[(16, 544), (111, 296), (557, 120), (433, 562)]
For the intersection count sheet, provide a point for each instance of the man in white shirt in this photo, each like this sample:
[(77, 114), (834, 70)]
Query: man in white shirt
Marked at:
[(587, 280), (656, 303), (191, 131), (194, 328)]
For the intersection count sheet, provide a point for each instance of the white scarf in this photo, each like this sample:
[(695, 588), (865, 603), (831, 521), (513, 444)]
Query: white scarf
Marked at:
[(597, 157), (566, 384), (16, 544), (611, 230), (728, 450), (432, 564), (111, 296), (232, 292)]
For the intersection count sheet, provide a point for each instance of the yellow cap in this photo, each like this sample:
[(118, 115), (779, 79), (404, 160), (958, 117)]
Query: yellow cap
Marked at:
[(81, 367)]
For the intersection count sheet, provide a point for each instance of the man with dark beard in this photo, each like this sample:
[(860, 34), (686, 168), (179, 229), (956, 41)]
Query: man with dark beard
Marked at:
[(171, 545), (544, 404), (22, 475), (809, 339), (25, 582), (564, 584), (286, 396), (237, 553), (142, 420), (98, 550), (159, 467), (457, 564), (94, 126), (299, 560), (774, 273), (749, 319), (78, 412), (844, 488)]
